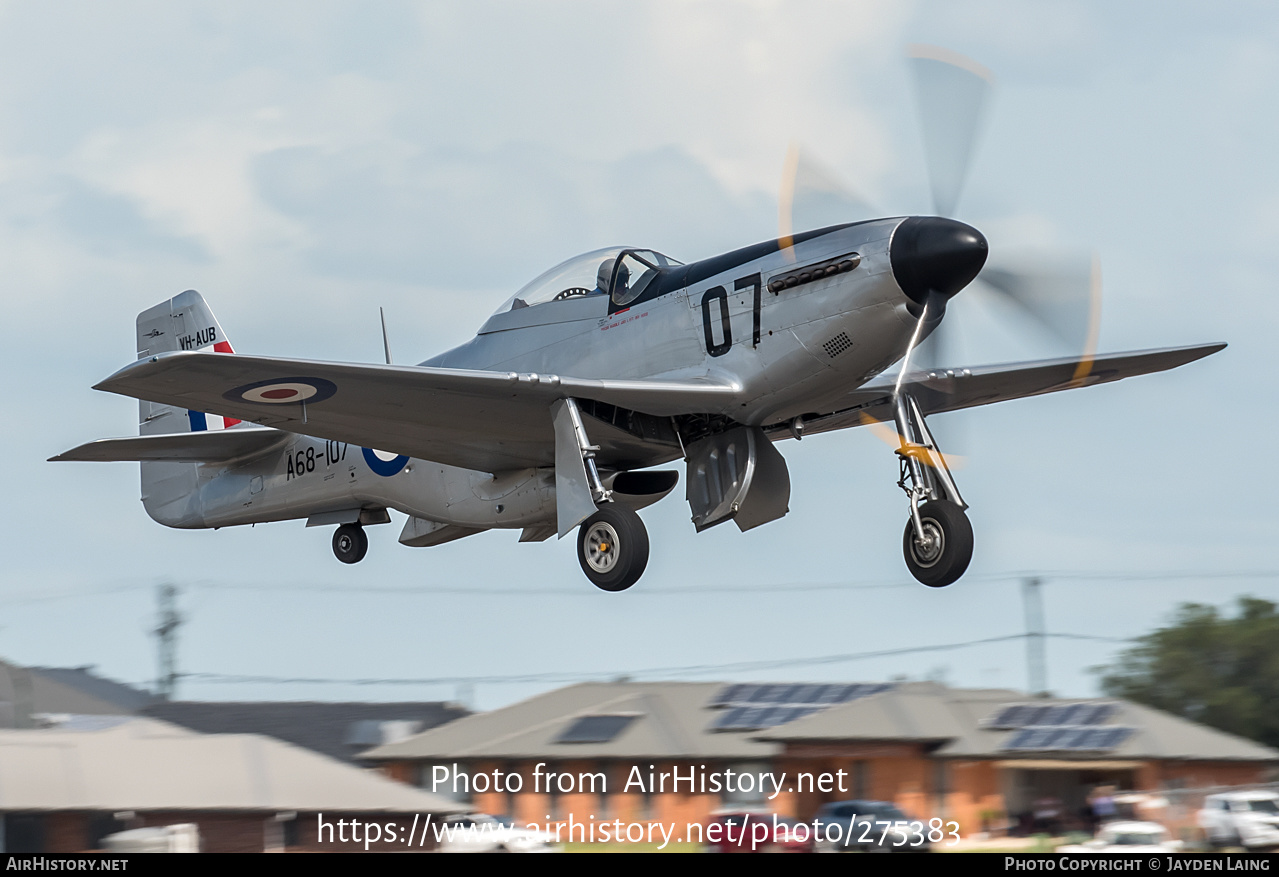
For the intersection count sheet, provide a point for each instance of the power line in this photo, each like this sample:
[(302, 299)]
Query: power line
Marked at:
[(686, 591), (685, 670)]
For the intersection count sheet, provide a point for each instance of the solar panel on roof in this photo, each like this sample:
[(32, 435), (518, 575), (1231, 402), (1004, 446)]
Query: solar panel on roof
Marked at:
[(1057, 715), (1108, 738), (791, 694), (750, 718), (1083, 713), (1024, 715), (1026, 738), (1060, 738), (794, 694), (727, 720), (1005, 717), (1025, 712), (767, 693), (799, 712), (1066, 738), (810, 694), (727, 695), (1096, 713), (1073, 738), (594, 729)]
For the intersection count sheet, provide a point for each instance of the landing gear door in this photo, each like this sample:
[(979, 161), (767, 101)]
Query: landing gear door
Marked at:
[(737, 475)]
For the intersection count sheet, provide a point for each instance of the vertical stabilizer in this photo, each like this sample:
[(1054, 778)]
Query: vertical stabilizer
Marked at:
[(183, 322)]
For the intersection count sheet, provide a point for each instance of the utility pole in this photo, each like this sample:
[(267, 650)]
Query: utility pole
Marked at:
[(166, 634), (1036, 662), (465, 695)]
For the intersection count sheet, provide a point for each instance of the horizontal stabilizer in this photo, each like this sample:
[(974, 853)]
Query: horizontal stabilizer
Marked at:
[(214, 446)]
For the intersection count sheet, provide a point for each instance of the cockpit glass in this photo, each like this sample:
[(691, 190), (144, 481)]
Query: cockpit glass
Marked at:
[(590, 274), (635, 270)]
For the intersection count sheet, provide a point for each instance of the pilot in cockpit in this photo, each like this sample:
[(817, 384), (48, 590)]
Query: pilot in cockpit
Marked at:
[(606, 271)]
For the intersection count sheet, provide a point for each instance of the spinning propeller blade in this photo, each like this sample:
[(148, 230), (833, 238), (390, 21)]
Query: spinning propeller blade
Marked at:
[(894, 440), (813, 196), (950, 93), (1061, 294)]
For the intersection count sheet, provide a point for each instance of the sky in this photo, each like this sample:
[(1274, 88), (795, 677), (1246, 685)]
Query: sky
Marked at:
[(303, 164)]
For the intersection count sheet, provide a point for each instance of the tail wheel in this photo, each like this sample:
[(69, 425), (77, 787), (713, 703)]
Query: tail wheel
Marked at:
[(940, 555), (350, 543), (612, 546)]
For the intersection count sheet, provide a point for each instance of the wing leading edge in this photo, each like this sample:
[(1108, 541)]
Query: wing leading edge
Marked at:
[(938, 390), (475, 419), (501, 420)]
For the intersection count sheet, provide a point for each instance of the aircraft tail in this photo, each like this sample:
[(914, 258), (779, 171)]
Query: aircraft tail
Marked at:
[(183, 322)]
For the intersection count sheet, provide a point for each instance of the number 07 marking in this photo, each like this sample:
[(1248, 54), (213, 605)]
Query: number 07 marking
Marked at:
[(720, 294)]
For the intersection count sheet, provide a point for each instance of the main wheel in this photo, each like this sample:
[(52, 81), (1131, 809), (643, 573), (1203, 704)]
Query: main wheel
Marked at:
[(612, 546), (350, 543), (942, 554)]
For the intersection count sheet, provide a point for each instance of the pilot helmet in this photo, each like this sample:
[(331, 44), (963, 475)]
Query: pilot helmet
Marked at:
[(606, 271)]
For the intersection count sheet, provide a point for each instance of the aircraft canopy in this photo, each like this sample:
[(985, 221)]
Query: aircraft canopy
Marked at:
[(592, 274)]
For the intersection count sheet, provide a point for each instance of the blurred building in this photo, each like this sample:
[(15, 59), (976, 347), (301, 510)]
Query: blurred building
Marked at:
[(28, 692), (980, 757), (66, 786), (338, 730)]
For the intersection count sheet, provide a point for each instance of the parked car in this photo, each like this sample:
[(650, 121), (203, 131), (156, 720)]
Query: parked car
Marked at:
[(1241, 819), (481, 833), (181, 838), (735, 832), (1127, 837), (868, 826)]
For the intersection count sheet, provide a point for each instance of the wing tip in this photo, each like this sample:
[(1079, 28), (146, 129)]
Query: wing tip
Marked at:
[(1201, 351)]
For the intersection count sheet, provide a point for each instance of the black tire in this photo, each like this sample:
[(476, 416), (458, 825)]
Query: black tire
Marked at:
[(350, 543), (945, 561), (612, 547)]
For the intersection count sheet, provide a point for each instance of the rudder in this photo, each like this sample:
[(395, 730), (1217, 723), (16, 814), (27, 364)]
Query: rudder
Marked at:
[(184, 322)]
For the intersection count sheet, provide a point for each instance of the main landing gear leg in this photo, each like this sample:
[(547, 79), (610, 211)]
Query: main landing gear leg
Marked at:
[(350, 543), (612, 544), (938, 542)]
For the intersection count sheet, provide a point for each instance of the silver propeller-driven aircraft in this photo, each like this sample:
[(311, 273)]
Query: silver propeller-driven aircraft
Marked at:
[(605, 366)]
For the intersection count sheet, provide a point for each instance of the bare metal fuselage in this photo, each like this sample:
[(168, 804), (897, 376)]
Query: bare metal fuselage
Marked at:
[(814, 344)]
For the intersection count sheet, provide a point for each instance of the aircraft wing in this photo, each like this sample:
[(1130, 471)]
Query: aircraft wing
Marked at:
[(211, 446), (483, 420), (938, 390)]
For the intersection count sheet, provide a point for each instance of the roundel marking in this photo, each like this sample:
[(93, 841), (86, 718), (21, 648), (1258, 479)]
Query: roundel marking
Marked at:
[(283, 391), (383, 463)]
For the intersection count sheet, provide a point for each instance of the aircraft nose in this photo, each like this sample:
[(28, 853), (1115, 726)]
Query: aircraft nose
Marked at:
[(929, 253)]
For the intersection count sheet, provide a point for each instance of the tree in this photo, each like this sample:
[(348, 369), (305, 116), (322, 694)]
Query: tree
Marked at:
[(1219, 671)]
